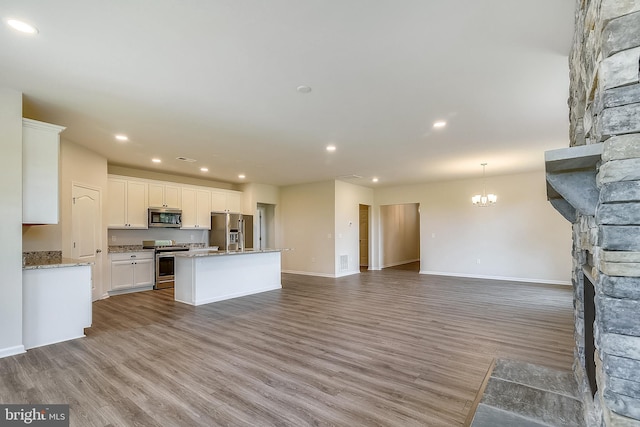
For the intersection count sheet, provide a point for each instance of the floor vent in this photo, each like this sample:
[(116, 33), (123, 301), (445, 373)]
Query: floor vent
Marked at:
[(344, 262)]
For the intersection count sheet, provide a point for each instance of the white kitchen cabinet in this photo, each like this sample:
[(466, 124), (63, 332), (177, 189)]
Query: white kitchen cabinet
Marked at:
[(40, 172), (165, 195), (196, 208), (226, 201), (127, 203), (132, 270)]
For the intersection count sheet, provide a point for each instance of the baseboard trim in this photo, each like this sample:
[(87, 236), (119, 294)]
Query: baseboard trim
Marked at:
[(393, 264), (503, 278), (308, 273), (12, 351)]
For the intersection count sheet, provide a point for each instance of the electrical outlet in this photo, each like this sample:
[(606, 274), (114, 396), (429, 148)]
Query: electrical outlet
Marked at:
[(193, 237), (478, 261), (313, 259), (113, 238)]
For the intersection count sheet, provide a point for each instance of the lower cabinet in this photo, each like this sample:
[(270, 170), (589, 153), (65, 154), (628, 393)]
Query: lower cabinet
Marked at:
[(131, 270)]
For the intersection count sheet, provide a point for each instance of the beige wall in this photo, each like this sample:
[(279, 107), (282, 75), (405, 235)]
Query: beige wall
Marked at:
[(11, 214), (348, 198), (306, 224), (399, 234), (522, 237), (253, 193)]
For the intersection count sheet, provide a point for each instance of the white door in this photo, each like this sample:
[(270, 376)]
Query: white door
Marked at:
[(86, 232)]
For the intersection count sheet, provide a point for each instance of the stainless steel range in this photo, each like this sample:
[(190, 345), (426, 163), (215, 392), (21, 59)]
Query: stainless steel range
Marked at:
[(165, 261)]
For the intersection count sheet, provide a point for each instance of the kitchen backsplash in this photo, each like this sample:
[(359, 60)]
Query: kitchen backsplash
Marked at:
[(135, 237)]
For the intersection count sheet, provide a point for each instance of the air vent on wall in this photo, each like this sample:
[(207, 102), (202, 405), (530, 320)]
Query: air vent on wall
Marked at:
[(186, 159), (344, 262), (352, 176)]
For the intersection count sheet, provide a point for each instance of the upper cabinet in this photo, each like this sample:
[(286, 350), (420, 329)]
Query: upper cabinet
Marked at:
[(226, 201), (196, 208), (40, 172), (127, 203), (163, 195)]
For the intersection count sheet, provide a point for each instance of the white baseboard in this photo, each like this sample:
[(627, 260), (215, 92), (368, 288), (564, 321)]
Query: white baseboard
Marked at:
[(393, 264), (308, 273), (10, 351), (506, 279), (347, 273)]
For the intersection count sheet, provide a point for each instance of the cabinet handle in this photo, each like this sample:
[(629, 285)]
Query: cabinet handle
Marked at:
[(133, 256)]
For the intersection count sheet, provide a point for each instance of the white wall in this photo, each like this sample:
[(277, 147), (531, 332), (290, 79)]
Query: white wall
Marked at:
[(306, 224), (11, 230), (348, 198), (399, 234), (521, 238)]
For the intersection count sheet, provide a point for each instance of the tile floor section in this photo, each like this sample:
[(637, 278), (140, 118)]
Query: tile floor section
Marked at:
[(526, 395)]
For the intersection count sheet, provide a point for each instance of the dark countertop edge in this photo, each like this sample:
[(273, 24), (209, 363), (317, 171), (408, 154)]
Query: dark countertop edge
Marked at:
[(64, 262)]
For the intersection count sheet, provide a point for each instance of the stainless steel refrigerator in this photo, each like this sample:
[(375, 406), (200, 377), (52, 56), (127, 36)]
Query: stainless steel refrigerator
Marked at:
[(231, 231)]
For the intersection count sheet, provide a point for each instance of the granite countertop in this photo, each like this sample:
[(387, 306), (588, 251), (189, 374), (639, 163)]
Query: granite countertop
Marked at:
[(54, 263), (204, 252), (115, 249)]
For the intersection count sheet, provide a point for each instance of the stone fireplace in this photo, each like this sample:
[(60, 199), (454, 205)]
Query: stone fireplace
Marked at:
[(595, 184)]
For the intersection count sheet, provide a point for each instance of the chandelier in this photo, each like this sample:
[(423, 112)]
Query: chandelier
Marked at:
[(484, 199)]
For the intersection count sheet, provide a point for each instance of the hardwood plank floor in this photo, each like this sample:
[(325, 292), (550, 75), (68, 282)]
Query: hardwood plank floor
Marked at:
[(382, 348)]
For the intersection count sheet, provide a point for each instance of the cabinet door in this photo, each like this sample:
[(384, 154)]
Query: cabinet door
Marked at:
[(40, 159), (234, 202), (172, 197), (137, 204), (189, 215), (121, 274), (144, 273), (218, 201), (203, 208), (116, 203), (156, 195)]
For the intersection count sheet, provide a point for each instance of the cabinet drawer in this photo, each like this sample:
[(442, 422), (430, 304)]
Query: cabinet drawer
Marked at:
[(131, 255)]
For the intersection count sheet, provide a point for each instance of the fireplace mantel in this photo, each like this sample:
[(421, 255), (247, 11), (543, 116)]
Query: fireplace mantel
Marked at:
[(571, 179)]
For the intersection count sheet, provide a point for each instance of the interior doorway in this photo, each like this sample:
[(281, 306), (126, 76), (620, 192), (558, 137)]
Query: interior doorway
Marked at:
[(265, 229), (86, 220), (400, 236), (364, 237)]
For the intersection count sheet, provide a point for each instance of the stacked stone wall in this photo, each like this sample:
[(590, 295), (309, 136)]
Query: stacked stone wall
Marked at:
[(605, 107)]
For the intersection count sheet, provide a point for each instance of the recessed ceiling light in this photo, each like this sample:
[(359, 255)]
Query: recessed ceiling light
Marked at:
[(156, 160), (241, 176), (122, 137), (204, 169), (439, 124), (22, 26), (331, 148), (303, 89), (374, 180)]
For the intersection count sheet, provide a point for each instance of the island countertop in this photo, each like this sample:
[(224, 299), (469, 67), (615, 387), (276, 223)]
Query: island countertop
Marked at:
[(55, 263), (204, 252)]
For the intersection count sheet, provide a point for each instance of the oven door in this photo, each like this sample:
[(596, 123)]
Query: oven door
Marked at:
[(165, 271)]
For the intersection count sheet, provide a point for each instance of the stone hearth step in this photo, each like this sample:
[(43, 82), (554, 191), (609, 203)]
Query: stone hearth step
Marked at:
[(526, 395)]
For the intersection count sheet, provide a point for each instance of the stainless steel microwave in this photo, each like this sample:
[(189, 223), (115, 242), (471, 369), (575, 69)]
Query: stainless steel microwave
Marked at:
[(165, 217)]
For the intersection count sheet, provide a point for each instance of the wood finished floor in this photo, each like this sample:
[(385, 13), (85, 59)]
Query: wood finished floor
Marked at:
[(382, 348)]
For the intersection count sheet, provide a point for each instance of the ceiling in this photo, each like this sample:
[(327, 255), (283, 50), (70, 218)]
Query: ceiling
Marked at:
[(216, 81)]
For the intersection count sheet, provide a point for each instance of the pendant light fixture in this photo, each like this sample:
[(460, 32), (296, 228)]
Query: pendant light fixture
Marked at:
[(484, 199)]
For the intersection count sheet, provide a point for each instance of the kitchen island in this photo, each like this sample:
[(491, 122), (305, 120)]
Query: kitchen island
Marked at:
[(206, 276)]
